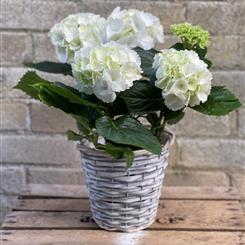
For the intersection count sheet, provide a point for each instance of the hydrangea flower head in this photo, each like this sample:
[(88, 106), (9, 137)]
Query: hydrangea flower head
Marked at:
[(106, 69), (183, 78), (134, 28), (77, 31), (191, 36)]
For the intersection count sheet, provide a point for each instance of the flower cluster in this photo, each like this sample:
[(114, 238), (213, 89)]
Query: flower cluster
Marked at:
[(104, 64), (135, 28), (75, 32), (106, 69), (191, 36), (99, 65), (183, 78)]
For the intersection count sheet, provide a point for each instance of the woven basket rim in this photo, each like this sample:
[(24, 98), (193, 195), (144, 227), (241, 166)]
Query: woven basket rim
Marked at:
[(167, 140)]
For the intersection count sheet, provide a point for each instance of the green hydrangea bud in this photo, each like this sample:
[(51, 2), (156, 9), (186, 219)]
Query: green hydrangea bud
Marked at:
[(191, 36)]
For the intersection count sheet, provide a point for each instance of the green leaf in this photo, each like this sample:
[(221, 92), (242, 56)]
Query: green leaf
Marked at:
[(31, 84), (52, 99), (147, 58), (83, 124), (208, 62), (201, 52), (152, 118), (119, 107), (128, 131), (220, 102), (27, 82), (73, 136), (143, 97), (66, 93), (118, 152), (173, 117), (73, 90), (60, 96), (178, 46), (51, 67)]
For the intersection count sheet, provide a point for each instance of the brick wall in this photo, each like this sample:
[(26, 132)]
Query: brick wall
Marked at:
[(35, 148)]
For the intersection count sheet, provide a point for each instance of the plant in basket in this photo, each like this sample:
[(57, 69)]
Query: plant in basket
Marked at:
[(121, 82)]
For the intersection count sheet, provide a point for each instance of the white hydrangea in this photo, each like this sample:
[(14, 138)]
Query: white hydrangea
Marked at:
[(106, 69), (75, 32), (134, 28), (183, 78)]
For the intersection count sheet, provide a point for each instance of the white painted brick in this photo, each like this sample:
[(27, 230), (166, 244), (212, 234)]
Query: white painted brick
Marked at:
[(195, 178), (50, 120), (241, 122), (55, 176), (35, 14), (234, 80), (197, 124), (15, 116), (226, 52), (12, 180), (218, 17), (43, 48), (39, 150), (16, 48), (201, 153)]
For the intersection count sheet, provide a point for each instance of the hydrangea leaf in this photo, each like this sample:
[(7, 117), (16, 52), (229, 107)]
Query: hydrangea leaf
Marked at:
[(51, 67), (143, 97), (128, 131), (147, 58), (73, 136), (118, 152), (178, 46), (220, 102), (173, 117)]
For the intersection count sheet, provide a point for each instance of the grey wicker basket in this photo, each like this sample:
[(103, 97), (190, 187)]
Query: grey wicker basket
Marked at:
[(120, 199)]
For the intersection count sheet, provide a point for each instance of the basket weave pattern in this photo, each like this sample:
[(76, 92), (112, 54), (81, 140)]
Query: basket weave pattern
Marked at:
[(120, 199)]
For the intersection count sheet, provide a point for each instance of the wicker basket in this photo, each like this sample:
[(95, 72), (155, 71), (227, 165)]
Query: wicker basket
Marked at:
[(120, 199)]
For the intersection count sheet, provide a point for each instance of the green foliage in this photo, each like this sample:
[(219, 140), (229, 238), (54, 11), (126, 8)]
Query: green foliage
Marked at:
[(84, 124), (128, 131), (173, 117), (51, 67), (191, 36), (220, 102), (27, 84), (147, 58), (73, 135), (208, 62), (62, 97), (178, 46), (143, 97), (118, 152)]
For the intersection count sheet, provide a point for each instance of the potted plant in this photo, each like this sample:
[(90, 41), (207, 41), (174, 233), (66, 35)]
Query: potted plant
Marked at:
[(120, 82)]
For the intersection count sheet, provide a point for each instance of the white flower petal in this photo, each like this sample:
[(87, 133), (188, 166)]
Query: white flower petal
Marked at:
[(174, 102), (78, 31), (62, 54), (134, 28), (183, 78), (106, 69)]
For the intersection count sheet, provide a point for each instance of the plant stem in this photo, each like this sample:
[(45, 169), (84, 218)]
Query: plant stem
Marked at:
[(158, 128)]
